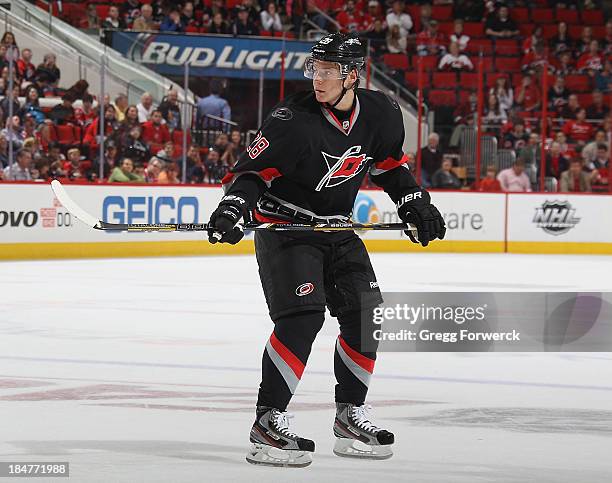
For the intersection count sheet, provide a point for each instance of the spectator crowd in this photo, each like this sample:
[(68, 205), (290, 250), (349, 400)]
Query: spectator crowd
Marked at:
[(54, 132), (516, 44), (243, 17)]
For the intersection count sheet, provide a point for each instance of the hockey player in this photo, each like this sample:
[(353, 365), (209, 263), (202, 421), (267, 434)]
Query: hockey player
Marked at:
[(306, 165)]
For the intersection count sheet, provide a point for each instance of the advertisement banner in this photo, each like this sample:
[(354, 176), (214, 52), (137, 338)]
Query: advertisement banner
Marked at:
[(213, 55), (34, 224), (468, 216), (558, 218), (31, 213)]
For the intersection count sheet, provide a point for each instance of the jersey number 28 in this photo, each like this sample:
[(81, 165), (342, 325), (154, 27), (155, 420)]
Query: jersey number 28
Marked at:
[(258, 145)]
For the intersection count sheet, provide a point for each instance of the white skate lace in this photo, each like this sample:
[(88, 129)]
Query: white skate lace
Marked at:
[(281, 423), (361, 419)]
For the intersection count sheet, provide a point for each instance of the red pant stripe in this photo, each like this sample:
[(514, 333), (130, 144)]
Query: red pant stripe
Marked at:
[(362, 361), (292, 361)]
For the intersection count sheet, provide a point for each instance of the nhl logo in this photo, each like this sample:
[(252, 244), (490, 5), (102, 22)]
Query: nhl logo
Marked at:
[(346, 125), (556, 217)]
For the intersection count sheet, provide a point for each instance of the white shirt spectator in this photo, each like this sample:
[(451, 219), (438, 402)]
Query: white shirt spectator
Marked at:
[(15, 172), (493, 117), (455, 62), (397, 46), (461, 41), (511, 181), (403, 20), (504, 96), (269, 22), (144, 114), (589, 152)]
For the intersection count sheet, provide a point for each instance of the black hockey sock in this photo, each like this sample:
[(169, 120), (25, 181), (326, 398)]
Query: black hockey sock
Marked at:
[(352, 367), (285, 357)]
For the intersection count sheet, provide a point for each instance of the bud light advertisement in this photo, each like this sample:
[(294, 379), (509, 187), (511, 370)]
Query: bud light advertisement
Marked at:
[(213, 56)]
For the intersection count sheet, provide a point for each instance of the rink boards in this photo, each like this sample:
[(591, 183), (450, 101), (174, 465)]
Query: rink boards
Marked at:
[(33, 225)]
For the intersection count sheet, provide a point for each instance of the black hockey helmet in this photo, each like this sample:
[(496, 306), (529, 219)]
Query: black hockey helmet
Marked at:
[(343, 49)]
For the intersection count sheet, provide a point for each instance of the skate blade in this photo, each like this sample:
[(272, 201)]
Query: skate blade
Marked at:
[(262, 454), (352, 448)]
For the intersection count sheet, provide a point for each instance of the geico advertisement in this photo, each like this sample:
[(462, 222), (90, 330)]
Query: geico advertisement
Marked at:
[(556, 217), (31, 213), (468, 216)]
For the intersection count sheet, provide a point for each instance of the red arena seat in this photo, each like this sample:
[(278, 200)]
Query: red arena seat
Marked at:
[(464, 95), (577, 83), (475, 46), (487, 64), (102, 11), (473, 29), (442, 12), (567, 15), (397, 61), (411, 79), (468, 80), (585, 99), (599, 31), (438, 97), (508, 64), (592, 17), (444, 80), (507, 47), (549, 30), (446, 28), (526, 29), (520, 14), (542, 15), (430, 62)]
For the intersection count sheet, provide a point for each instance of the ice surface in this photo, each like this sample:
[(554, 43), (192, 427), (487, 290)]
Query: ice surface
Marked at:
[(146, 370)]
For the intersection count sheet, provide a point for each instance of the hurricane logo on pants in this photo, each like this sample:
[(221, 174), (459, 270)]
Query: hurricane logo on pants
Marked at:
[(304, 289), (342, 168)]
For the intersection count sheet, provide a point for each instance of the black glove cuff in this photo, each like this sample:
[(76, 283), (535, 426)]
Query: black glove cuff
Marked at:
[(417, 196), (233, 206)]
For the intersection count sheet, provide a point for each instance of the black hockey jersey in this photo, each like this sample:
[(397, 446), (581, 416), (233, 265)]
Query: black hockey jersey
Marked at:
[(310, 165)]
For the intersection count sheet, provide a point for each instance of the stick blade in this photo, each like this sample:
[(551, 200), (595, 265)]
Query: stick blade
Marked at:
[(71, 206)]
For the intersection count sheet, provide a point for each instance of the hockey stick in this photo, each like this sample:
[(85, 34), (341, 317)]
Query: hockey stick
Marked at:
[(93, 222)]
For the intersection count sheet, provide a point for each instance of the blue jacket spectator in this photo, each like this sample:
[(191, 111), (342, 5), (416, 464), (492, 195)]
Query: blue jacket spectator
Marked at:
[(172, 23), (214, 105)]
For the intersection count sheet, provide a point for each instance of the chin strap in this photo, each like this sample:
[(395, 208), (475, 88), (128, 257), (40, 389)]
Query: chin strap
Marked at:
[(343, 93), (339, 98)]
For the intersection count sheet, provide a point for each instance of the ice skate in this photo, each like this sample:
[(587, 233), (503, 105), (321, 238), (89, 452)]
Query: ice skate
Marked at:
[(274, 445), (357, 436)]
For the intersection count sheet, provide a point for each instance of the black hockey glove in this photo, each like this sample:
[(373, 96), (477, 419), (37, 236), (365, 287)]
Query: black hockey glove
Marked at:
[(415, 207), (222, 224)]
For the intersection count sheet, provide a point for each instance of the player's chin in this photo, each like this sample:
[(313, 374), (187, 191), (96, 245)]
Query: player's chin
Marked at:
[(321, 96)]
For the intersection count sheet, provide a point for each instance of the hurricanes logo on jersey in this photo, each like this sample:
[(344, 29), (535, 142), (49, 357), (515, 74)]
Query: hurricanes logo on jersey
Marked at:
[(342, 168)]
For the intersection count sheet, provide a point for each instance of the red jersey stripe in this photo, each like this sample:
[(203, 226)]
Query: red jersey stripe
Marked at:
[(334, 117), (267, 175), (228, 178), (390, 163)]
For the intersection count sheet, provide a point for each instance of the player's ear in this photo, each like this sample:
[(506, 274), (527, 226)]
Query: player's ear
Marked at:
[(350, 79)]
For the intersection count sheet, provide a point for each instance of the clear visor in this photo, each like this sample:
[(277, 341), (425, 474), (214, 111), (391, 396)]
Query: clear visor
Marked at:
[(322, 70)]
